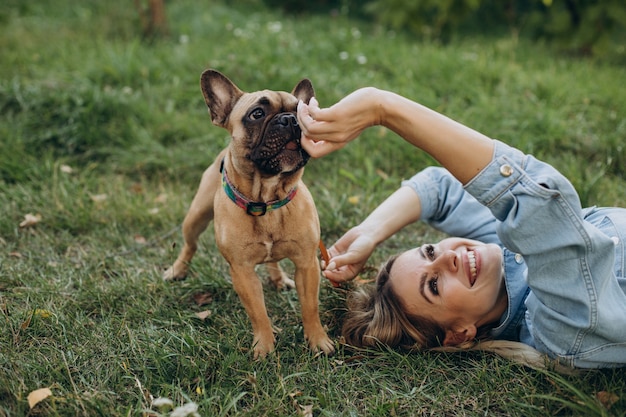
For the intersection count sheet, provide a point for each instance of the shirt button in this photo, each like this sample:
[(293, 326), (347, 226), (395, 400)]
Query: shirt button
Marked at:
[(519, 258), (615, 240), (506, 170)]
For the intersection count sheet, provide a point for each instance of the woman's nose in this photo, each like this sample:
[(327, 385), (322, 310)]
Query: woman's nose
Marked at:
[(449, 260)]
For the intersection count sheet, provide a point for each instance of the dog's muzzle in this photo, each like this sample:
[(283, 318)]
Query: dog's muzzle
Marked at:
[(280, 149)]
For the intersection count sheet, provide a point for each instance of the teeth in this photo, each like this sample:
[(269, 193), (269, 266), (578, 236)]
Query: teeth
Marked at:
[(472, 263)]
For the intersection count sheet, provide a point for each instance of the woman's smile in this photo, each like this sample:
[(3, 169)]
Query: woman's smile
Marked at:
[(451, 281)]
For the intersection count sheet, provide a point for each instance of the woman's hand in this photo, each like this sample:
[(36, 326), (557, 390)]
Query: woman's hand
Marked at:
[(348, 255), (327, 130)]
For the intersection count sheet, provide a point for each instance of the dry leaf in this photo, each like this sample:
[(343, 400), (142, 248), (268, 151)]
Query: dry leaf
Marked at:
[(98, 198), (66, 169), (140, 239), (162, 403), (26, 322), (153, 211), (37, 396), (30, 220), (44, 314), (354, 199), (202, 315), (607, 398), (137, 188), (161, 198), (15, 255), (203, 298), (306, 411), (382, 174)]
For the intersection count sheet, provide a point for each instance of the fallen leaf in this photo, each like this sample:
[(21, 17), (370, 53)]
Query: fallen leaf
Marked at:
[(44, 314), (382, 174), (35, 397), (140, 239), (66, 169), (30, 220), (26, 322), (15, 255), (203, 298), (607, 398), (137, 188), (162, 402), (98, 198), (202, 315), (306, 411), (154, 210), (354, 199), (161, 198)]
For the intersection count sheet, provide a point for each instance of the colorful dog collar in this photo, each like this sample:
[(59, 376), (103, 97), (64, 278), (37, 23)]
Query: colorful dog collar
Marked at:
[(253, 208)]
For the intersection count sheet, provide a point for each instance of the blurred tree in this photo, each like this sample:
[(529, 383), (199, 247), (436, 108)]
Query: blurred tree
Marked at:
[(153, 18)]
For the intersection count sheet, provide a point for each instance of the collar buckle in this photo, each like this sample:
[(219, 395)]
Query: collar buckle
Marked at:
[(256, 208)]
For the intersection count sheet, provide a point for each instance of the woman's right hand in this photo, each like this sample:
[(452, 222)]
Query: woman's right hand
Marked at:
[(348, 255), (330, 129)]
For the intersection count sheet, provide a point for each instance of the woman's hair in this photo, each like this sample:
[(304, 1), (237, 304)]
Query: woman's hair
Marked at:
[(376, 317)]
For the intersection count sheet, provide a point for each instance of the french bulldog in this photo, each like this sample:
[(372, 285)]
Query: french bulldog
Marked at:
[(261, 210)]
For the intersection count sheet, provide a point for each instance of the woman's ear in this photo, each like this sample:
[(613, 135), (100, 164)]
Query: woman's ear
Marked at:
[(457, 337)]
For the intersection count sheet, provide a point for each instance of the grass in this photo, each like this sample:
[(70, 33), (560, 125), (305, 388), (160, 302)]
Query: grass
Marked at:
[(83, 308)]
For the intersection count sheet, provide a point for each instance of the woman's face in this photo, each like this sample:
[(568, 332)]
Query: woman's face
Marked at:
[(454, 282)]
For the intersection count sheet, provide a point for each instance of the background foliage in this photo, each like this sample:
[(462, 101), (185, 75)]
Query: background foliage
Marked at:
[(103, 138), (579, 26)]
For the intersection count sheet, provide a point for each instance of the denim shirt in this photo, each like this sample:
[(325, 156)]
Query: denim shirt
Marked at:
[(563, 265)]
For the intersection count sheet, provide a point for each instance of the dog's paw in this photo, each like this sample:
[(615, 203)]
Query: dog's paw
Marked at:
[(175, 272), (323, 344), (262, 347)]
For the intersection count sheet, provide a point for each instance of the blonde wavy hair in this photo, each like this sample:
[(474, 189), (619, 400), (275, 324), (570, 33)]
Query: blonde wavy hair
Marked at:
[(376, 317)]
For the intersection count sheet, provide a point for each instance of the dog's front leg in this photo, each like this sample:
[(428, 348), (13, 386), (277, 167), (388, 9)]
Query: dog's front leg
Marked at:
[(307, 285), (197, 219), (249, 288)]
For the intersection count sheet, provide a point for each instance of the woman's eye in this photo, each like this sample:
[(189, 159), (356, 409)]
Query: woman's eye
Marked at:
[(257, 114), (433, 285), (430, 252)]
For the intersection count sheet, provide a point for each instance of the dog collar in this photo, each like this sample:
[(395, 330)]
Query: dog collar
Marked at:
[(253, 208)]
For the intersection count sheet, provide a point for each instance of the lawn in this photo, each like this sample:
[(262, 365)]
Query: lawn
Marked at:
[(103, 139)]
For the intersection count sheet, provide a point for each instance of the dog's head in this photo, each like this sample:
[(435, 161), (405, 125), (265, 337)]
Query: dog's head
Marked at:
[(263, 124)]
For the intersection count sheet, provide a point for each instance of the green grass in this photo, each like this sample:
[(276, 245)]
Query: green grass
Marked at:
[(82, 305)]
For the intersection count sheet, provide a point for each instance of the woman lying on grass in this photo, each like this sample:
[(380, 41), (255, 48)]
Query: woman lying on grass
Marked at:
[(530, 265)]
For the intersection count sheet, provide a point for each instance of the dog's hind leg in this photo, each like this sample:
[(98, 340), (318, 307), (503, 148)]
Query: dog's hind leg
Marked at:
[(197, 219), (279, 278)]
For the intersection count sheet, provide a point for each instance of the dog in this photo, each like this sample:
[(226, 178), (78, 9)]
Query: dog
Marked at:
[(261, 209)]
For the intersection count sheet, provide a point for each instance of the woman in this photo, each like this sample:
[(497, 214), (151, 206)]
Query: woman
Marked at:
[(530, 265)]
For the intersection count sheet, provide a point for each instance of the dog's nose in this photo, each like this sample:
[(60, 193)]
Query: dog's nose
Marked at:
[(287, 119)]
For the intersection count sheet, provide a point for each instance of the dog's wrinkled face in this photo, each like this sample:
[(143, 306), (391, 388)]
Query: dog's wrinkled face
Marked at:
[(263, 124), (275, 136)]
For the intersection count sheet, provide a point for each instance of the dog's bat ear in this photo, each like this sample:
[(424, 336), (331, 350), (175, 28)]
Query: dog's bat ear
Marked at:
[(304, 90), (220, 95)]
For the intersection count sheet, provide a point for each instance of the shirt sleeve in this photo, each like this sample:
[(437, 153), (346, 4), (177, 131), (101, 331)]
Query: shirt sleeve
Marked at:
[(576, 310), (447, 207)]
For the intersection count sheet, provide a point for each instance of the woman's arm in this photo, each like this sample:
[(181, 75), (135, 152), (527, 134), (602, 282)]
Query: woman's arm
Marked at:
[(350, 253), (463, 151)]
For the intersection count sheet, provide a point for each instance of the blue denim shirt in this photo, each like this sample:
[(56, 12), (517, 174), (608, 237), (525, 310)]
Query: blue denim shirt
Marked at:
[(563, 265)]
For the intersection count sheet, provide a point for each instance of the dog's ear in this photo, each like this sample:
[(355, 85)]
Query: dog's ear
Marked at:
[(220, 95), (304, 91)]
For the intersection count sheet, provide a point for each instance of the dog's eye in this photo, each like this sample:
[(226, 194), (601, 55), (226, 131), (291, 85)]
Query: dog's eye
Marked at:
[(257, 114)]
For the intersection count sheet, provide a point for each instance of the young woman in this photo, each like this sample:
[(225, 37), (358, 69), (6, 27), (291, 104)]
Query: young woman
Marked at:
[(530, 265)]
